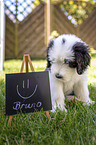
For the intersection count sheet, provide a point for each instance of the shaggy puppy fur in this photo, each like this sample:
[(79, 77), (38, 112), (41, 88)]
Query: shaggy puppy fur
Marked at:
[(67, 62)]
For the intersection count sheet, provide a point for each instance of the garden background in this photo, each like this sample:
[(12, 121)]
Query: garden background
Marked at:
[(29, 31)]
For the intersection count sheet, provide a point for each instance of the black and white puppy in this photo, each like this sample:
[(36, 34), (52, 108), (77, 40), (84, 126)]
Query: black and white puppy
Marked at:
[(67, 61)]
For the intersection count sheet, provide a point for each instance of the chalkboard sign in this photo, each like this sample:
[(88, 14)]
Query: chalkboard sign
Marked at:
[(27, 92)]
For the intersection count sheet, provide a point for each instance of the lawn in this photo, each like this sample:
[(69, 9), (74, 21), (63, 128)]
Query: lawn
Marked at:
[(76, 127)]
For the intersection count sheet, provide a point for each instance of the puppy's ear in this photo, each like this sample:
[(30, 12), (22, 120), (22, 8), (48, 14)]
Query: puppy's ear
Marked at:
[(51, 43), (82, 57)]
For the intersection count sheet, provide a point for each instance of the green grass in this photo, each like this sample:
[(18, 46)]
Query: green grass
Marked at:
[(76, 127)]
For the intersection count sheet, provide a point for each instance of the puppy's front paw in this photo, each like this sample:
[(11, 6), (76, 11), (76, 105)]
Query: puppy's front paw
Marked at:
[(65, 109), (62, 109), (89, 103), (53, 110)]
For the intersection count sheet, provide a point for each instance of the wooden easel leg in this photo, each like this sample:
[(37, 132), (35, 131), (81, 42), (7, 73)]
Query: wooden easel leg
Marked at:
[(10, 119), (31, 66), (47, 113), (26, 63)]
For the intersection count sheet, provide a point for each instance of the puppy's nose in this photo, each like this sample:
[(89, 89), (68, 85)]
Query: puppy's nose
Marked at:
[(58, 76)]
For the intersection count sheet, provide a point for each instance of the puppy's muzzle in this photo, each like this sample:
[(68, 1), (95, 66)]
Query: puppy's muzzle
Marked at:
[(58, 76)]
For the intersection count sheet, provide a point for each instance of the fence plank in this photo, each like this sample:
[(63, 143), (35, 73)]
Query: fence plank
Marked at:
[(31, 20), (93, 13), (34, 44), (91, 22), (60, 27), (33, 36), (64, 20), (31, 30)]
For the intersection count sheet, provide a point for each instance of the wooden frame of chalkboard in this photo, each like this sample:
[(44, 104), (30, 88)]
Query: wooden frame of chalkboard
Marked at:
[(37, 104)]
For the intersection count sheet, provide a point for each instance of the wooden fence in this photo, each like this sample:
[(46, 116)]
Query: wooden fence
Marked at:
[(29, 35), (26, 36)]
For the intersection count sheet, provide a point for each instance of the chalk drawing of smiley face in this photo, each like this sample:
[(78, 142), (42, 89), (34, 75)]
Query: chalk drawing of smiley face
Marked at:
[(26, 97)]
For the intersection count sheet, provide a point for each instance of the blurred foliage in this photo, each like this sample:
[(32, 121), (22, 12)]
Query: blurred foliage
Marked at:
[(35, 4), (77, 11), (54, 34)]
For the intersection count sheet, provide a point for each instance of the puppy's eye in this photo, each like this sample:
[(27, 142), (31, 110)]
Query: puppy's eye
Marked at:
[(66, 61)]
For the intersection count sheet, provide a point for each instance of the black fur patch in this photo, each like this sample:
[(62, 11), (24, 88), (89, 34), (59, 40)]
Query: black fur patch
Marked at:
[(73, 64), (51, 44), (63, 41), (82, 57)]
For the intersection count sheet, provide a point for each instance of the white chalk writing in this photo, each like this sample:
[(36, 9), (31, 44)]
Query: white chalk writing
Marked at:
[(27, 83), (18, 105), (24, 97)]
